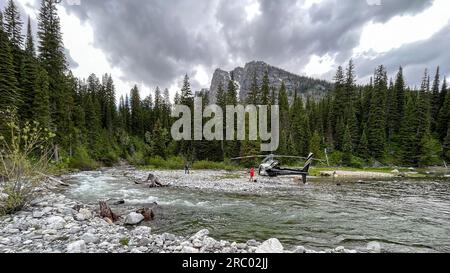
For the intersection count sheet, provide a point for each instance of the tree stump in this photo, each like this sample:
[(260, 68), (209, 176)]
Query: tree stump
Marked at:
[(106, 212), (154, 182), (147, 213)]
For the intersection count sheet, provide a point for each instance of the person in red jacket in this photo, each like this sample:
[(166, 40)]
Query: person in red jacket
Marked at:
[(252, 174)]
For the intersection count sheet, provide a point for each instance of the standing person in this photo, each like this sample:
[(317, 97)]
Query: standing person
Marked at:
[(252, 174), (186, 168)]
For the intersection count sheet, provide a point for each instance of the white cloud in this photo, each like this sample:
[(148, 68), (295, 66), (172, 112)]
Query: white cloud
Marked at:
[(318, 66), (382, 37), (79, 39), (252, 10)]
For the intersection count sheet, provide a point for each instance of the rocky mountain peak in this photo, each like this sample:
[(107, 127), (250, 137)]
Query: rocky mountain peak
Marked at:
[(305, 86)]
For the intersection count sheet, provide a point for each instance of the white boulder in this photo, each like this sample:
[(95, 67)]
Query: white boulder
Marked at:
[(134, 218), (76, 247), (272, 245), (56, 222)]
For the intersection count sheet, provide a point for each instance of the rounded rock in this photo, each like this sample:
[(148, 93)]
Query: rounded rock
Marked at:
[(272, 245), (77, 247)]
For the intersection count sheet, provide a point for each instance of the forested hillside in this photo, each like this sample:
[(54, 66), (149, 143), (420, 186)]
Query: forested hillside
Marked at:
[(381, 121)]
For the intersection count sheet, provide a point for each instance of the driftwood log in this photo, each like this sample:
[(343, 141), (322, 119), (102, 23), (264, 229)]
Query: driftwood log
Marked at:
[(106, 212)]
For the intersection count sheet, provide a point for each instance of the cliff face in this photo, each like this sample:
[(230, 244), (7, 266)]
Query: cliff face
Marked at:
[(243, 77)]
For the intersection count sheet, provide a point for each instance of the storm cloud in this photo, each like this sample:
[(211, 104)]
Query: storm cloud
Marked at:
[(158, 41)]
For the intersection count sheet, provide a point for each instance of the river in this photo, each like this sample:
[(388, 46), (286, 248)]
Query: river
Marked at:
[(411, 215)]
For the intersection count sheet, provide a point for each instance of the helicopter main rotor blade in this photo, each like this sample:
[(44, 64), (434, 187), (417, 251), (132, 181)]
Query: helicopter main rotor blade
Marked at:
[(250, 156), (293, 156)]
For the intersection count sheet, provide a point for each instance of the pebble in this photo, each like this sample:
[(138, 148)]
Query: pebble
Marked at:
[(38, 214)]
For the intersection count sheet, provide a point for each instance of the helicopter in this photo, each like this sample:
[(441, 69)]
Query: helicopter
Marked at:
[(271, 167)]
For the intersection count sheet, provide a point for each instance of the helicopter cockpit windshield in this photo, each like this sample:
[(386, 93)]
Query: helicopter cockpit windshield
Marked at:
[(267, 159)]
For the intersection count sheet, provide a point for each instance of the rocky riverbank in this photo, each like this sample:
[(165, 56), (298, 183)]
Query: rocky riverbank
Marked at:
[(55, 224), (212, 180)]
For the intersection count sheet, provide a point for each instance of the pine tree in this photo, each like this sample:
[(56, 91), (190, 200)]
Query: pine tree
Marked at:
[(424, 108), (352, 123), (444, 114), (399, 91), (315, 145), (187, 99), (92, 122), (430, 151), (221, 97), (51, 55), (177, 98), (231, 91), (253, 95), (283, 104), (435, 100), (408, 134), (13, 24), (273, 97), (232, 147), (159, 140), (41, 104), (446, 144), (363, 145), (340, 98), (28, 76), (265, 89), (136, 113), (9, 94), (222, 102), (391, 110), (297, 117), (347, 147), (166, 109), (108, 103), (158, 106), (148, 117), (339, 133), (350, 88), (376, 134), (442, 94), (29, 41)]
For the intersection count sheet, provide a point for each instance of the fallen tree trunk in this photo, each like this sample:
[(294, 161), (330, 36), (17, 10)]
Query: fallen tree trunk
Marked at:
[(106, 212), (54, 179)]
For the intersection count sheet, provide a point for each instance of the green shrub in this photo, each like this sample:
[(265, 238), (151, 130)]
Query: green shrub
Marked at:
[(137, 158), (211, 165), (110, 159), (13, 202), (82, 160), (172, 163), (335, 158), (124, 241), (357, 162), (24, 158)]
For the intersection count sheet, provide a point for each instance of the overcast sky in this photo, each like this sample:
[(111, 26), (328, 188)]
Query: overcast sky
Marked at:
[(155, 42)]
